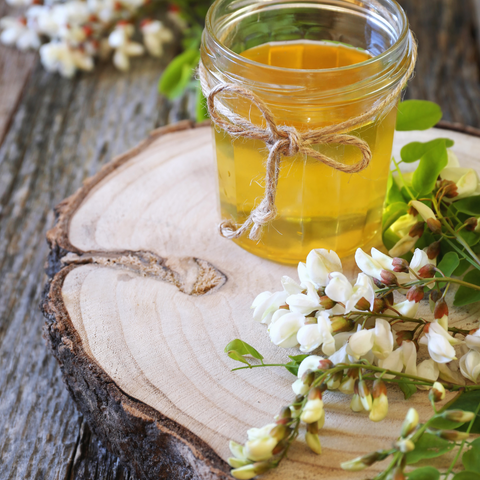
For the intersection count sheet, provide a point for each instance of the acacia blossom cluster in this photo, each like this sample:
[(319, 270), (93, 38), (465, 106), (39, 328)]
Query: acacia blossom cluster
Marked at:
[(70, 35), (324, 312)]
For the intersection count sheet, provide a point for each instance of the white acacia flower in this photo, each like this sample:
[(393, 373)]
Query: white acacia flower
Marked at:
[(404, 357), (320, 263), (428, 369), (363, 288), (305, 303), (473, 341), (312, 363), (403, 225), (360, 343), (449, 372), (406, 308), (339, 288), (470, 365), (73, 13), (60, 57), (466, 180), (440, 343), (40, 20), (403, 246), (266, 304), (419, 260), (124, 48), (72, 34), (15, 32), (155, 34), (284, 328), (291, 286), (310, 337), (373, 265), (423, 210), (260, 443), (20, 3), (382, 339)]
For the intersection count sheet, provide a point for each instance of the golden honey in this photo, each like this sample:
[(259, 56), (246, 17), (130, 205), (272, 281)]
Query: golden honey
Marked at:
[(318, 207)]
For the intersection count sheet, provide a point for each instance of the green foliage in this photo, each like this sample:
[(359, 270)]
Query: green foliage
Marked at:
[(417, 115), (431, 164), (292, 366), (471, 460), (243, 348), (407, 388), (414, 151), (424, 473), (466, 295), (469, 402), (179, 73), (469, 206), (429, 446), (467, 476)]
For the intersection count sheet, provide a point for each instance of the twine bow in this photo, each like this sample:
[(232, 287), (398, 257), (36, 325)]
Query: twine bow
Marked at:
[(284, 141)]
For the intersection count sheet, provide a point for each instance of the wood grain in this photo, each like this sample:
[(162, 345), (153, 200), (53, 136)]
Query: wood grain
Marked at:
[(153, 338), (60, 132)]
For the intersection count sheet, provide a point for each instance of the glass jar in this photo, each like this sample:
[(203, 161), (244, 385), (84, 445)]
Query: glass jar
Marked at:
[(317, 206)]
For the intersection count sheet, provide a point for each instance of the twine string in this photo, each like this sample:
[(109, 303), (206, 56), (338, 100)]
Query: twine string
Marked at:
[(285, 141)]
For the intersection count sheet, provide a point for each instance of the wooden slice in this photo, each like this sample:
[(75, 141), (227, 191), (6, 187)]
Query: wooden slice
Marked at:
[(144, 296)]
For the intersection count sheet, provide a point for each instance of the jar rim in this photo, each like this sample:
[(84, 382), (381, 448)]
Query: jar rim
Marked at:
[(246, 61)]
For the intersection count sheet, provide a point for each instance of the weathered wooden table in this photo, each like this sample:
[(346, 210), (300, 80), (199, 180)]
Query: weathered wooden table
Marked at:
[(53, 134)]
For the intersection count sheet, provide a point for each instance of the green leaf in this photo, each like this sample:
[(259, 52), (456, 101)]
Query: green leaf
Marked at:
[(462, 268), (471, 460), (392, 213), (448, 265), (431, 164), (469, 206), (407, 388), (468, 402), (466, 476), (424, 473), (234, 355), (292, 367), (416, 150), (298, 358), (475, 443), (444, 424), (243, 348), (429, 446), (466, 295), (470, 237), (178, 74), (418, 115), (394, 195)]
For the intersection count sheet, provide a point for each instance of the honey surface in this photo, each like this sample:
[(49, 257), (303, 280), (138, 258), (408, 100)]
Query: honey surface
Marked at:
[(318, 207)]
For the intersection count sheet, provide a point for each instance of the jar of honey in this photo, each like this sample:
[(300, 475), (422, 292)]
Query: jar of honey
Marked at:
[(314, 63)]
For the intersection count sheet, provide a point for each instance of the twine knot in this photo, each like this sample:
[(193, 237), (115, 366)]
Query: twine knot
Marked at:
[(286, 141)]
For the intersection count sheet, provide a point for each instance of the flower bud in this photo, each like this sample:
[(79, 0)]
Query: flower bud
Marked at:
[(404, 445), (341, 324), (410, 423), (458, 416), (281, 446), (361, 463), (417, 230), (434, 225), (314, 443), (313, 410), (400, 265), (308, 377), (388, 278), (441, 309), (297, 404), (327, 303), (437, 393), (378, 283), (325, 364), (404, 335), (433, 251), (428, 271), (285, 416), (363, 305), (244, 473), (450, 189), (435, 295), (260, 449), (389, 299), (356, 404), (365, 396), (412, 211), (237, 462), (334, 381), (379, 306), (471, 224), (279, 432), (415, 294), (380, 401), (452, 435), (348, 383)]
